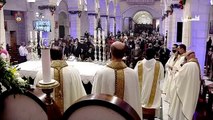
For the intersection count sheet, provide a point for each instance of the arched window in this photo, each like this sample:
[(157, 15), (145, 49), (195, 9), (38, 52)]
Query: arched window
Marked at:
[(143, 17)]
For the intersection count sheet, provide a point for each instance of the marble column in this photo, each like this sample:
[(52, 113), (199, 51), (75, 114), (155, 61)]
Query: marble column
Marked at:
[(30, 16), (104, 23), (57, 26), (169, 37), (52, 20), (166, 25), (162, 22), (118, 23), (195, 33), (2, 30), (112, 25), (48, 13), (126, 24), (92, 22), (75, 28)]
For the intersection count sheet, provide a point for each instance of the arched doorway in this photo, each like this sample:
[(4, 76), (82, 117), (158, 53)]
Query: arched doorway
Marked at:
[(63, 25), (143, 21)]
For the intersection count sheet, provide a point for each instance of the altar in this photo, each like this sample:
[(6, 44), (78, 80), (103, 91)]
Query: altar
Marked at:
[(87, 69)]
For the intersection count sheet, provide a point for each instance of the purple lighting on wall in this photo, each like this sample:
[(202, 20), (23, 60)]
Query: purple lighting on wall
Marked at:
[(102, 6), (198, 42), (73, 28)]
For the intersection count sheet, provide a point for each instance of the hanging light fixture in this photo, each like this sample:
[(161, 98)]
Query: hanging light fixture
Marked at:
[(2, 2)]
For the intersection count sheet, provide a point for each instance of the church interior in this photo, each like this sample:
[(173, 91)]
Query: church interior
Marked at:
[(85, 31)]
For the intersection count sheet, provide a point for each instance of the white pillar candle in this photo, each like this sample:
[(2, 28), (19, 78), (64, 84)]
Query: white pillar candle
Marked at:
[(31, 35), (103, 37), (45, 57), (95, 36), (36, 35), (40, 34), (99, 36)]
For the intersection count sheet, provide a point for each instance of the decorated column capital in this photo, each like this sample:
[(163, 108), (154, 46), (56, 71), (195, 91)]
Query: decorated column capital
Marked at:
[(104, 16), (111, 16), (176, 6), (76, 12), (92, 14), (52, 8)]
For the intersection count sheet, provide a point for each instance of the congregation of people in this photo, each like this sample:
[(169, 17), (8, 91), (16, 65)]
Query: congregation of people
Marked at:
[(138, 64)]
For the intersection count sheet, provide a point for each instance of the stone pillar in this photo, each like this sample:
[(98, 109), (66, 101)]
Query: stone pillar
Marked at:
[(169, 37), (75, 28), (2, 30), (195, 33), (104, 23), (166, 25), (161, 29), (112, 24), (126, 24), (48, 12), (153, 23), (118, 23), (92, 22), (30, 16)]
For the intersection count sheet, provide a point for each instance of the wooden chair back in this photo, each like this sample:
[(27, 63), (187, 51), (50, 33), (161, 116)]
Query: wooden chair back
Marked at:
[(100, 107), (21, 107)]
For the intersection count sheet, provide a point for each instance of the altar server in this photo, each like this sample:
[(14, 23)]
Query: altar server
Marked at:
[(118, 79), (150, 73)]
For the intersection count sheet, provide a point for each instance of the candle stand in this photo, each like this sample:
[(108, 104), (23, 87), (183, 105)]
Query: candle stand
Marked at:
[(100, 47), (53, 110)]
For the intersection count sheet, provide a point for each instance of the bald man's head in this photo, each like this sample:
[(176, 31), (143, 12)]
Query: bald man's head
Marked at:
[(117, 49)]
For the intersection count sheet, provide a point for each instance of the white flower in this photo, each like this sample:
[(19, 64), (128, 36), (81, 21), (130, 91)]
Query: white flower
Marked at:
[(17, 74), (21, 81)]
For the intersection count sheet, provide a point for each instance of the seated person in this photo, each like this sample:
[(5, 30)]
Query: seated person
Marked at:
[(69, 79)]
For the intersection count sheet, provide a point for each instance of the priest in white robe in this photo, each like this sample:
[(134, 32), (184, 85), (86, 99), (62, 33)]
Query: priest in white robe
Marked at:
[(71, 87), (168, 70), (150, 73), (187, 87), (118, 79), (177, 64)]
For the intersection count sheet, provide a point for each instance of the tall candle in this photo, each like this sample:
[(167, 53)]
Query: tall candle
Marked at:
[(103, 37), (36, 35), (31, 35), (95, 36), (45, 57), (99, 36), (40, 34)]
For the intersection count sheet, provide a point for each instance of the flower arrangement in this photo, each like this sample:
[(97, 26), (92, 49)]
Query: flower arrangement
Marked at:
[(10, 79)]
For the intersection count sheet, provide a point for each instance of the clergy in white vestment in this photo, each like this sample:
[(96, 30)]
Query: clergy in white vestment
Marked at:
[(150, 73), (168, 69), (71, 87), (187, 87), (118, 79), (177, 64)]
